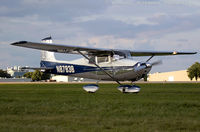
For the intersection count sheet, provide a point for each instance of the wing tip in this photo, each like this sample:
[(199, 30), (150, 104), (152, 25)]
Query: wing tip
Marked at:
[(192, 53), (19, 42), (176, 53)]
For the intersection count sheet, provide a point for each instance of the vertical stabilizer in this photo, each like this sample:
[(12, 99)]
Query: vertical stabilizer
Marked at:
[(46, 55)]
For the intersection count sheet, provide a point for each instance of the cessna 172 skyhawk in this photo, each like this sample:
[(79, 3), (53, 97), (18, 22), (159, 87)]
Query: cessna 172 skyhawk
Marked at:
[(100, 64)]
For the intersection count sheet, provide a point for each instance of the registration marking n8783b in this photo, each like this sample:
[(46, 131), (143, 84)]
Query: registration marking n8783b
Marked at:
[(65, 69)]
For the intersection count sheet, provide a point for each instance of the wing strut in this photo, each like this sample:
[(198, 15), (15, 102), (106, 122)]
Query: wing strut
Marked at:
[(98, 67), (150, 58)]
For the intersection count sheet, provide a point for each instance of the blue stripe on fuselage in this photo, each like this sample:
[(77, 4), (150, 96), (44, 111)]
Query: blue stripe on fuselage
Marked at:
[(66, 69)]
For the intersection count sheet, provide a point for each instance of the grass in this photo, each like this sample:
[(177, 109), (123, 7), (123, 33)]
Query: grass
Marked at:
[(66, 107)]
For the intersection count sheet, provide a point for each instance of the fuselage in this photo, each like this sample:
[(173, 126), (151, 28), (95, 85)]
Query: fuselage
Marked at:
[(125, 69)]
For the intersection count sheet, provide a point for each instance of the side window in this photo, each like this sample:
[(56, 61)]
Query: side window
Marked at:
[(98, 59), (102, 59)]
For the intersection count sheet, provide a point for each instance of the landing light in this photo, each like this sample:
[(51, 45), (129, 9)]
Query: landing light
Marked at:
[(174, 53)]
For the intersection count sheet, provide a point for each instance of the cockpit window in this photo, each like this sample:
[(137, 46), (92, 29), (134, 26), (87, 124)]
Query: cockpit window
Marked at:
[(122, 54), (98, 59)]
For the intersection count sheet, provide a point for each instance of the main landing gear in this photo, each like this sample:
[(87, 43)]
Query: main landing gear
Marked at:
[(92, 88), (129, 88)]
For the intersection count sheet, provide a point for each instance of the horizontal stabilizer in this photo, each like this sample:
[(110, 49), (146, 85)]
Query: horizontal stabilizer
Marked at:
[(36, 68)]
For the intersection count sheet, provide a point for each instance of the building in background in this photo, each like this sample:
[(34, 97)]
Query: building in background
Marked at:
[(61, 78), (16, 71), (170, 76)]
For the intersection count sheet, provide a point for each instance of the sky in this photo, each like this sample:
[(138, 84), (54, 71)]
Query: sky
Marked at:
[(147, 25)]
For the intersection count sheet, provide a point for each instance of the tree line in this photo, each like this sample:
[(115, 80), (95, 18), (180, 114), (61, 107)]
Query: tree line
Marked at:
[(37, 75), (194, 71), (4, 74)]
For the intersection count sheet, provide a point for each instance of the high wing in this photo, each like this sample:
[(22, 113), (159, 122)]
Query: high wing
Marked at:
[(90, 51), (61, 48)]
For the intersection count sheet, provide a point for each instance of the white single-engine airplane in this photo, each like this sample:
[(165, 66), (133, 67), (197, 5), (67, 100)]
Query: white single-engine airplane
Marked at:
[(99, 64)]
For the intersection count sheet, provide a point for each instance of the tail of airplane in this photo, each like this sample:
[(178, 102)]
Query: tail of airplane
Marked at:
[(46, 55)]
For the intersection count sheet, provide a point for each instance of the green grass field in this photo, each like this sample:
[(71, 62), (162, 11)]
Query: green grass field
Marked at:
[(66, 107)]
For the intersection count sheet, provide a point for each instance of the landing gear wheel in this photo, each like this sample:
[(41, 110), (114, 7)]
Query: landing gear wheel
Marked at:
[(91, 88), (129, 88)]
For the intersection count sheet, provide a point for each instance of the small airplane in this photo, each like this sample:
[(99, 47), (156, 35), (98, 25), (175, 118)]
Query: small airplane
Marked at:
[(97, 63)]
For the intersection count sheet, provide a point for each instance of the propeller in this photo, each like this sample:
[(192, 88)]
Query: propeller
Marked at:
[(153, 63), (159, 62), (148, 64)]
